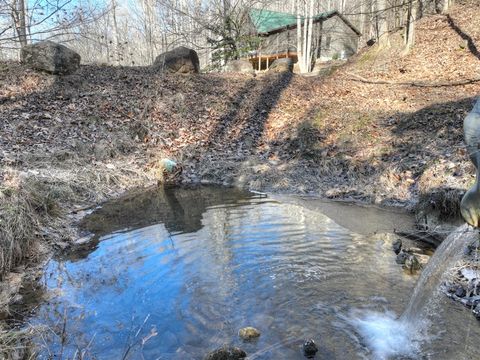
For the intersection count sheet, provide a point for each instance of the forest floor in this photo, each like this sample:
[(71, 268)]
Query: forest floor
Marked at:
[(384, 128)]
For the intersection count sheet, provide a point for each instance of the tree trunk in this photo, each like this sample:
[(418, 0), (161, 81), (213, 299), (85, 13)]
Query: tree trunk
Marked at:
[(308, 64), (446, 5), (305, 28), (299, 38), (383, 38), (19, 15), (116, 42), (410, 29)]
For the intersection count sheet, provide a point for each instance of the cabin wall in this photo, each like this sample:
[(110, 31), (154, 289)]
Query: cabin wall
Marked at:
[(332, 38), (280, 43), (338, 40)]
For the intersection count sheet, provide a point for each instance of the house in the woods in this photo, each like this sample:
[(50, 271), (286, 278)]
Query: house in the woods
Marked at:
[(334, 37)]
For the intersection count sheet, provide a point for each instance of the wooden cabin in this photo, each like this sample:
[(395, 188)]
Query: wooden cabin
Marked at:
[(334, 37)]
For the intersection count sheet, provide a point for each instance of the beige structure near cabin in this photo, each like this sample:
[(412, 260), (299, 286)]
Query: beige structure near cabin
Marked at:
[(334, 37)]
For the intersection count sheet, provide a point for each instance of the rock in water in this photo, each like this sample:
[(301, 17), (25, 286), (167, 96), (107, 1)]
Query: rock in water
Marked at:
[(412, 264), (281, 66), (400, 259), (240, 66), (310, 348), (397, 246), (50, 57), (226, 353), (460, 292), (180, 60), (248, 333)]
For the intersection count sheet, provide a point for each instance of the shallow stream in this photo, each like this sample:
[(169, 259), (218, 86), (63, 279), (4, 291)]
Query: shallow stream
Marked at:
[(175, 273)]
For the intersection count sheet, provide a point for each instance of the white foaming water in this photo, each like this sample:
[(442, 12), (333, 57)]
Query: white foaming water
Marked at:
[(387, 336)]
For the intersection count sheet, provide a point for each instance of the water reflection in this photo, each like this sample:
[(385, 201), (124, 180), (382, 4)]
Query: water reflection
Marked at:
[(159, 288)]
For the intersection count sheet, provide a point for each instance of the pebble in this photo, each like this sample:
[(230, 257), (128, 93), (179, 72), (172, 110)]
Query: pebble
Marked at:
[(248, 333)]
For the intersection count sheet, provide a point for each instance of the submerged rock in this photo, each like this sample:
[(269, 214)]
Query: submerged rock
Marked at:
[(248, 333), (397, 246), (226, 353), (411, 263), (400, 259), (460, 292), (310, 348), (451, 289)]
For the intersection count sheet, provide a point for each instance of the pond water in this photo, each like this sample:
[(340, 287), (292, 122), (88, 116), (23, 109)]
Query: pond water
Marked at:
[(174, 273)]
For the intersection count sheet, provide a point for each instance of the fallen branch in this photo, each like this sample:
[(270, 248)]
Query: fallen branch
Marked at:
[(356, 77)]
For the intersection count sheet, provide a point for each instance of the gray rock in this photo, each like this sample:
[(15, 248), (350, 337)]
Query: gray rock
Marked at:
[(180, 60), (226, 353), (397, 246), (248, 333), (241, 66), (400, 259), (50, 57), (281, 65)]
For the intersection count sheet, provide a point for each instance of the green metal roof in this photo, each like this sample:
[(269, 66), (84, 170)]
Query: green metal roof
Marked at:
[(266, 21)]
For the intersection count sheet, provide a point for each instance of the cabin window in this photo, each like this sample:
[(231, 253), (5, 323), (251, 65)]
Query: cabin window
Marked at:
[(328, 42)]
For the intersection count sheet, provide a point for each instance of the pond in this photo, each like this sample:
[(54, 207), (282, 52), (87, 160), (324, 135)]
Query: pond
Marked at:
[(174, 273)]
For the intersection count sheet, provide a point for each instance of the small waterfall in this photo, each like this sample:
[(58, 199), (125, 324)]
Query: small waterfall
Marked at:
[(445, 256), (387, 336)]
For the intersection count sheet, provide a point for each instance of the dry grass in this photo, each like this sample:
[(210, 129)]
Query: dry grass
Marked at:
[(32, 203), (19, 223), (16, 345), (443, 201)]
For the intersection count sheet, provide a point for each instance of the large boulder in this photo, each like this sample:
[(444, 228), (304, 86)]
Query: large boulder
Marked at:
[(240, 66), (51, 57), (281, 65), (180, 60)]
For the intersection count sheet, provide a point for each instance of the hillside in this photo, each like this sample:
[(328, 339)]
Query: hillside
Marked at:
[(386, 127)]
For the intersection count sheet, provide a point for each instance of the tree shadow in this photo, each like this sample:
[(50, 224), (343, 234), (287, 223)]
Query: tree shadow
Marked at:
[(470, 43), (243, 124), (425, 159)]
